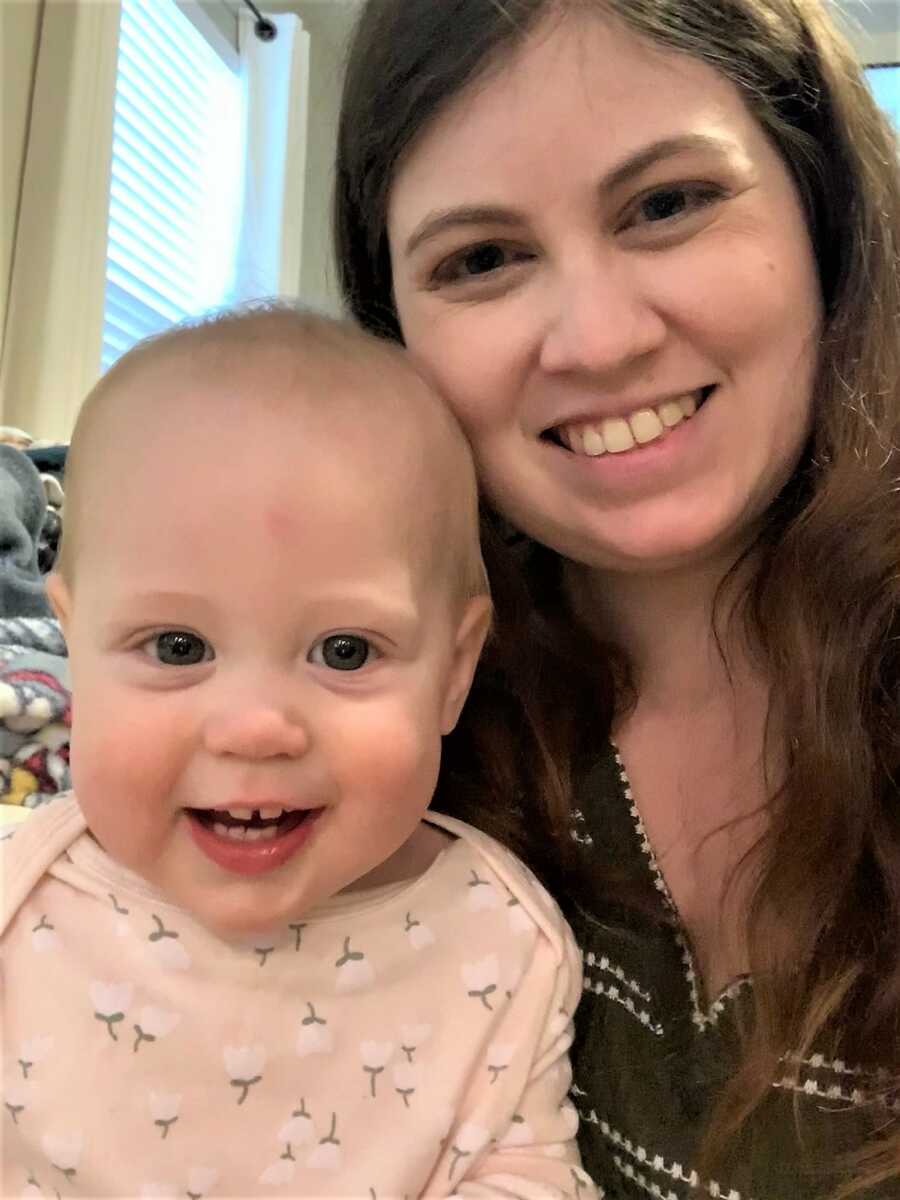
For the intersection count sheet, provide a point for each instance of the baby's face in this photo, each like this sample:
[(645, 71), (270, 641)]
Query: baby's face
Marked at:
[(261, 671)]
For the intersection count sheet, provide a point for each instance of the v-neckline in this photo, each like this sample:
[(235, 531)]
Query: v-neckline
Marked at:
[(705, 1013)]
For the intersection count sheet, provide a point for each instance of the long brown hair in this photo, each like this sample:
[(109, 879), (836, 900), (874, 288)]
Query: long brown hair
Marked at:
[(823, 925)]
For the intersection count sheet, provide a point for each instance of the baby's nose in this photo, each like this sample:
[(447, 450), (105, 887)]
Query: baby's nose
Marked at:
[(257, 732)]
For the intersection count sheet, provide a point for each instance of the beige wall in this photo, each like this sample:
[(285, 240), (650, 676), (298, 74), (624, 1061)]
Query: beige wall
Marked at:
[(874, 28), (328, 23), (19, 20)]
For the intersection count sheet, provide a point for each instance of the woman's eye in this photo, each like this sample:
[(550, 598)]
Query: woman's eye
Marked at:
[(669, 203), (176, 648), (342, 652), (477, 261)]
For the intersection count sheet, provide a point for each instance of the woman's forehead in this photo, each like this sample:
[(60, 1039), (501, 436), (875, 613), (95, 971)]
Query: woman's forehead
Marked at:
[(579, 95)]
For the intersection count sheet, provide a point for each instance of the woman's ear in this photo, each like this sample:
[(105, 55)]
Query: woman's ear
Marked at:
[(60, 598), (471, 633)]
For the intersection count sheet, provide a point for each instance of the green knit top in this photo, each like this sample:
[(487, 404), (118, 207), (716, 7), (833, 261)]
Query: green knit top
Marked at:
[(652, 1052)]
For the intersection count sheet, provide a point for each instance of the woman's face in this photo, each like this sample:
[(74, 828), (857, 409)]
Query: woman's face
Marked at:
[(585, 245)]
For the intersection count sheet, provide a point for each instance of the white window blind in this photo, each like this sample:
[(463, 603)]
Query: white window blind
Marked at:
[(177, 176)]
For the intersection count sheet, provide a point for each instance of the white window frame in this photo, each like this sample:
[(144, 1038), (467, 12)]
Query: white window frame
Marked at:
[(54, 323)]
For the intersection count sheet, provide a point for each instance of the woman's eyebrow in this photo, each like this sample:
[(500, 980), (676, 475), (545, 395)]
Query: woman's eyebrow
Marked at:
[(450, 218)]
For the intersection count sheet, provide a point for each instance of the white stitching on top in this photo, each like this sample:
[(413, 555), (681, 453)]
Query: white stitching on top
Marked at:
[(657, 1164), (703, 1020)]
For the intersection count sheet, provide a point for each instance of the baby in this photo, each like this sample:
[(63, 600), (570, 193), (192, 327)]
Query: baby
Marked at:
[(242, 958)]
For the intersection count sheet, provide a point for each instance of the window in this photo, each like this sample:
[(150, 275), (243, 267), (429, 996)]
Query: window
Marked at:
[(884, 81), (176, 177)]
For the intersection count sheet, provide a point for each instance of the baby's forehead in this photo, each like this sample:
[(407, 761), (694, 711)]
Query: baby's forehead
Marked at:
[(303, 385)]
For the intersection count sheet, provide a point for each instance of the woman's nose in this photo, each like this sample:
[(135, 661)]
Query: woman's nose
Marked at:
[(257, 732), (600, 321)]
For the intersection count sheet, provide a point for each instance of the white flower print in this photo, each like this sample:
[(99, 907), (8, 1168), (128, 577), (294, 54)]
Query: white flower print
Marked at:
[(354, 971), (406, 1080), (281, 1171), (153, 1023), (327, 1155), (375, 1057), (468, 1140), (481, 979), (164, 1109), (412, 1037), (44, 936), (33, 1050), (170, 954), (244, 1065), (499, 1056), (519, 920), (200, 1180), (299, 1130), (482, 894), (518, 1133), (64, 1152), (419, 935), (17, 1095), (111, 1001), (315, 1034)]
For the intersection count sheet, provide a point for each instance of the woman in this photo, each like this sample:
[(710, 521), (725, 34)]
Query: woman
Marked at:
[(647, 249)]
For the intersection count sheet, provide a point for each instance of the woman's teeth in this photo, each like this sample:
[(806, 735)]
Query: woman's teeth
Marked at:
[(615, 435)]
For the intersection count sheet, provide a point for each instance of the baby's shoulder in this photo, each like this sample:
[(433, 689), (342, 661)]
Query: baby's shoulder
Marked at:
[(30, 845), (497, 879)]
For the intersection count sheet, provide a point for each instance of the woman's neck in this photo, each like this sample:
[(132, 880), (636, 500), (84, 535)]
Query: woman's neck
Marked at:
[(684, 641)]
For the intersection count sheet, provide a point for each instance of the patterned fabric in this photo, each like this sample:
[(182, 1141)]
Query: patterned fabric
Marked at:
[(409, 1041), (652, 1052), (35, 711), (30, 633)]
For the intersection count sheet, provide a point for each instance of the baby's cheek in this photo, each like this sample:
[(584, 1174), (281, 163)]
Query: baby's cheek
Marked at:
[(124, 771)]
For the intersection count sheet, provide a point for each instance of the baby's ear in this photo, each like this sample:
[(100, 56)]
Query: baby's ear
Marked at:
[(471, 632), (59, 597)]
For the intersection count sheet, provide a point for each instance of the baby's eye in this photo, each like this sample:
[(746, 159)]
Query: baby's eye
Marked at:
[(342, 652), (476, 261), (178, 648)]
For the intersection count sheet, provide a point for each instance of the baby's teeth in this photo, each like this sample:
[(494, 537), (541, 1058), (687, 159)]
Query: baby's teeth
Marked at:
[(575, 439), (271, 813), (565, 437), (240, 814), (220, 829), (237, 833), (593, 441), (670, 414), (617, 435), (251, 834), (688, 405), (266, 835), (645, 426)]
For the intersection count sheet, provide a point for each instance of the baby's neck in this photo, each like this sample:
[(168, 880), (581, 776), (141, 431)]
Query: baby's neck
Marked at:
[(411, 861)]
